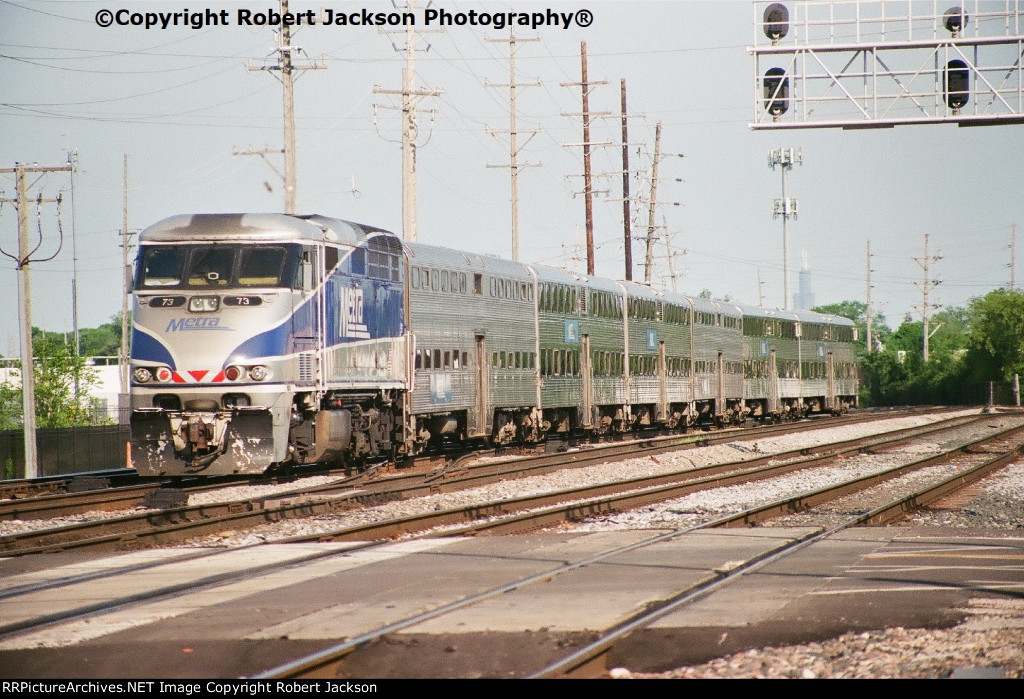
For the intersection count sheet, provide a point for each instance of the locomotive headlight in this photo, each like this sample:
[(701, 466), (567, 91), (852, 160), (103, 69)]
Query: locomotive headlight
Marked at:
[(142, 374), (258, 373), (163, 374), (203, 304), (233, 373)]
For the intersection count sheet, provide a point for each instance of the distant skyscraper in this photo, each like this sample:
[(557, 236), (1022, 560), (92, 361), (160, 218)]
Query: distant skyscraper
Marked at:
[(803, 298)]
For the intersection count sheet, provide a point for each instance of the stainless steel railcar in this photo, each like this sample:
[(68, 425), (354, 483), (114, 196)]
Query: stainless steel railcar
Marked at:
[(265, 339)]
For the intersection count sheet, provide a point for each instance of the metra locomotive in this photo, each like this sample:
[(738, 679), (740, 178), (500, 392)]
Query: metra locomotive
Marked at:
[(263, 339)]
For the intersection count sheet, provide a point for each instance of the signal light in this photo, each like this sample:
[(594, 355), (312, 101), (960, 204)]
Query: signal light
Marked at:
[(233, 373), (141, 374), (776, 22), (958, 78), (163, 374), (956, 20), (258, 373), (776, 92)]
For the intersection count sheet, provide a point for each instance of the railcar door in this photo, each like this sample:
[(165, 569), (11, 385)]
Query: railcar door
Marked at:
[(479, 422), (830, 382), (773, 383), (720, 386), (662, 383), (587, 372), (308, 327)]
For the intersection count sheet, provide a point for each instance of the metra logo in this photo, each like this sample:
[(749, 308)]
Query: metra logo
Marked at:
[(188, 324), (352, 324)]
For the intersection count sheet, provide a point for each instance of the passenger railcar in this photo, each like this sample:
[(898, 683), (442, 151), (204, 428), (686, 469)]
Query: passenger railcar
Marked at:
[(263, 339)]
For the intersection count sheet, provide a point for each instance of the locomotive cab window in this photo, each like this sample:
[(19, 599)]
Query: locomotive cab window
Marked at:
[(161, 267), (210, 267), (261, 267)]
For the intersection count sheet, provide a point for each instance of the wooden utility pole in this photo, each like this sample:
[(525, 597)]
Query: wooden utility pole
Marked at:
[(1013, 257), (410, 131), (649, 263), (287, 67), (28, 393), (926, 285), (626, 228), (588, 190), (867, 305), (124, 361), (513, 133)]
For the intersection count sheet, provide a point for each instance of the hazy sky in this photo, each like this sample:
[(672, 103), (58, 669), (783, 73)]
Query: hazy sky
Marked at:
[(178, 101)]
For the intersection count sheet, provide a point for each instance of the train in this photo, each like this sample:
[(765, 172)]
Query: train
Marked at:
[(264, 340)]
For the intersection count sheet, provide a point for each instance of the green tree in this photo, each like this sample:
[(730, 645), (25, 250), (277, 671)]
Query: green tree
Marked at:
[(995, 349), (56, 369), (857, 312)]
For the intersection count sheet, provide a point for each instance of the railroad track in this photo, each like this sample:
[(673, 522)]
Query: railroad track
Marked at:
[(175, 525), (589, 660), (329, 661)]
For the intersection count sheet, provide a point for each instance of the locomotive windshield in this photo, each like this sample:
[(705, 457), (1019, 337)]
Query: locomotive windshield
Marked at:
[(219, 266)]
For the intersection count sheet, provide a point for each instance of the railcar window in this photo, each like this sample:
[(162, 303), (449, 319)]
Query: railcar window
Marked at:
[(161, 267), (462, 283), (210, 267), (444, 280), (437, 359), (478, 284), (426, 278), (415, 276), (419, 359), (426, 359), (455, 359), (384, 258), (465, 359), (261, 266)]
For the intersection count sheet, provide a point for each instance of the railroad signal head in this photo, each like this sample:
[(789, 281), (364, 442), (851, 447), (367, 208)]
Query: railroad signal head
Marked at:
[(955, 20), (958, 78), (776, 92), (776, 22)]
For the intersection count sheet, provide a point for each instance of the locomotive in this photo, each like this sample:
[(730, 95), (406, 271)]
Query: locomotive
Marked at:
[(271, 339)]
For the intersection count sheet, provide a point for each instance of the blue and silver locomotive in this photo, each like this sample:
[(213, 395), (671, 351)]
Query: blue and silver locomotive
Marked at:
[(263, 339)]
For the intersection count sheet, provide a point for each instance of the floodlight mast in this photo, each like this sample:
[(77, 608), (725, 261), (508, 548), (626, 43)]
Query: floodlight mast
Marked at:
[(785, 207)]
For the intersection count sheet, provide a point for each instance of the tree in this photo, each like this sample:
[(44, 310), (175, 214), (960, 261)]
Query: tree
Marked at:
[(55, 371), (857, 312), (996, 342)]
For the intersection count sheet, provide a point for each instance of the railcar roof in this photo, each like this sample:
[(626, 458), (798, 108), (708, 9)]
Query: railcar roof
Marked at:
[(559, 275), (257, 228), (813, 317), (420, 254)]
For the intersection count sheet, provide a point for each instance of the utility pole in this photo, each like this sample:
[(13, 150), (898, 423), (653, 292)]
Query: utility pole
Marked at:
[(286, 66), (513, 133), (588, 190), (626, 228), (123, 360), (28, 393), (671, 254), (649, 259), (760, 296), (1013, 257), (926, 285), (867, 309), (785, 207), (410, 131)]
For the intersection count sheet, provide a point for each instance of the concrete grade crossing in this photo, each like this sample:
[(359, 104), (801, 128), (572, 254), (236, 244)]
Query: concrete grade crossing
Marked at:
[(865, 578)]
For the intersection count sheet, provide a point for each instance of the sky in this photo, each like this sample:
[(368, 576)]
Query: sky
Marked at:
[(179, 102)]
